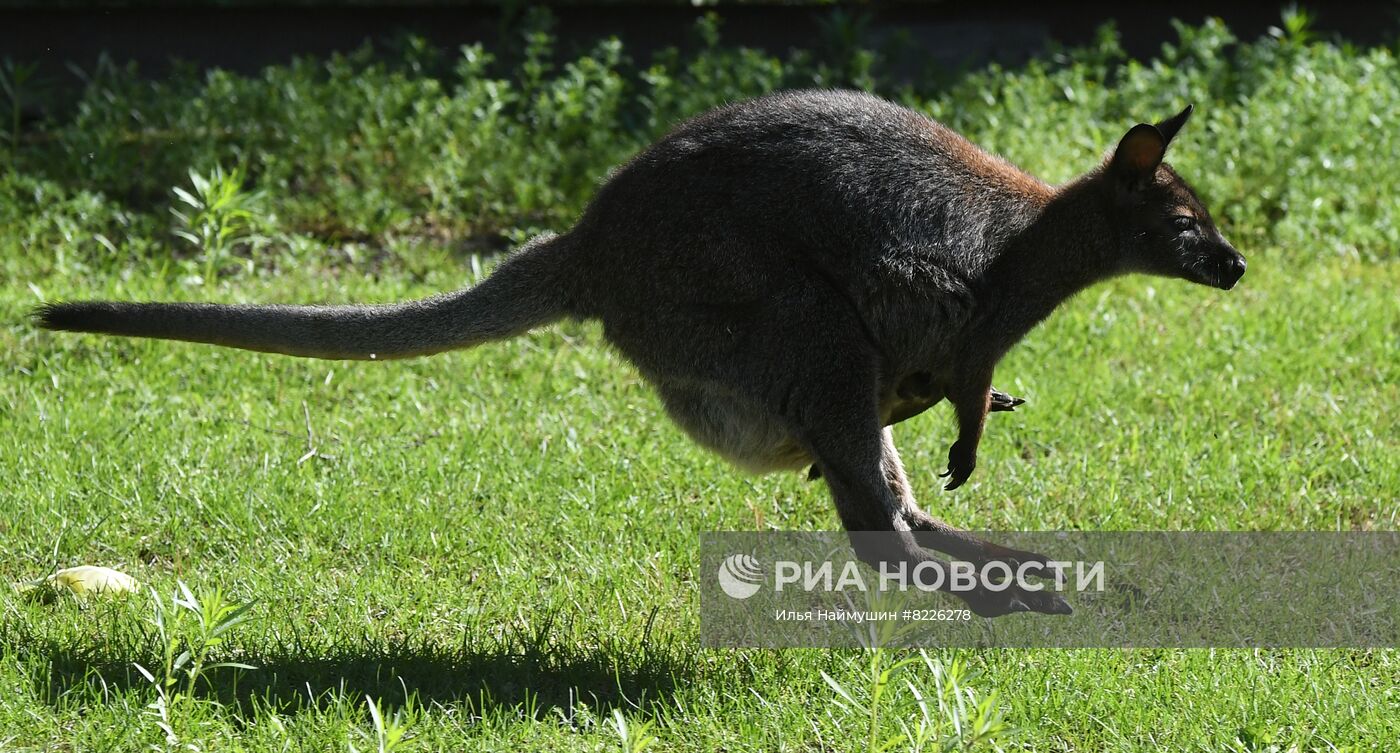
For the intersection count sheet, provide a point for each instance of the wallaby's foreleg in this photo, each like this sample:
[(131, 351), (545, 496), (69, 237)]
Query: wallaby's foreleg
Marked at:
[(971, 396), (997, 401), (921, 392)]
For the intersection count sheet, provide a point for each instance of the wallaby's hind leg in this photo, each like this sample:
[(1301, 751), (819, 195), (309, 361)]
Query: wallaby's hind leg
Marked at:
[(936, 534), (754, 384), (932, 533), (862, 468)]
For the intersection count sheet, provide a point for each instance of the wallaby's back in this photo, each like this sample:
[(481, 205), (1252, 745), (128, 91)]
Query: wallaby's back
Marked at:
[(843, 179), (715, 226)]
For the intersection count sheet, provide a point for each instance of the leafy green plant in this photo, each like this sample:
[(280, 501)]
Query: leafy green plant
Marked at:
[(1297, 26), (388, 734), (946, 716), (216, 216), (188, 630), (634, 738)]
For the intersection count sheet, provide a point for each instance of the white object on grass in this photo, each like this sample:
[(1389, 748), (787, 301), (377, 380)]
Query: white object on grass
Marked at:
[(87, 579)]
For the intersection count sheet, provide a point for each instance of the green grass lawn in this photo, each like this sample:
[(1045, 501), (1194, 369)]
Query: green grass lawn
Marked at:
[(501, 543)]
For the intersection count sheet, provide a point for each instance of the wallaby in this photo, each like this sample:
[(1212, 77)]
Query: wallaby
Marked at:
[(794, 274)]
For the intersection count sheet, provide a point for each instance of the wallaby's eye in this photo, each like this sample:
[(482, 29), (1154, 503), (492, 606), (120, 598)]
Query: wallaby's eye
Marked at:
[(1184, 223)]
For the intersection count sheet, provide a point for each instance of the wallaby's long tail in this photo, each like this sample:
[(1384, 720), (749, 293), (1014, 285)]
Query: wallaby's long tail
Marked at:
[(525, 292)]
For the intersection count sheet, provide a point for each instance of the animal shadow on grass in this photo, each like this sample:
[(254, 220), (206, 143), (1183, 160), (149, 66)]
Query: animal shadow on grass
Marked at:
[(536, 679)]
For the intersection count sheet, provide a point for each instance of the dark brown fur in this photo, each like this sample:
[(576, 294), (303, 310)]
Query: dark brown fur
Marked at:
[(794, 274)]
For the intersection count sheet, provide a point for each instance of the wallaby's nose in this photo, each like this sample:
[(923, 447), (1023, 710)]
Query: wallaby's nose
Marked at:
[(1232, 270)]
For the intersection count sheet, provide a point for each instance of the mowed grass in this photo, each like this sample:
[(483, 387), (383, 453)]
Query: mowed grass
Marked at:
[(501, 544)]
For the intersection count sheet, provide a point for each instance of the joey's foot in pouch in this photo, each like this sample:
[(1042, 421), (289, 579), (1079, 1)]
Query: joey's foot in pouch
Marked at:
[(1003, 402), (962, 459)]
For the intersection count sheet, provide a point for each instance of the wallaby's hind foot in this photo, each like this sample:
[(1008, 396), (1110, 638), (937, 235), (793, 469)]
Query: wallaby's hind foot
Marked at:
[(934, 534), (988, 603)]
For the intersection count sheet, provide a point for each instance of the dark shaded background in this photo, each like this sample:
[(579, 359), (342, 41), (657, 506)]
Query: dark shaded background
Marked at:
[(244, 35)]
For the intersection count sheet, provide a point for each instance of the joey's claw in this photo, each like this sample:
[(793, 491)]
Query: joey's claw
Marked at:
[(1000, 401)]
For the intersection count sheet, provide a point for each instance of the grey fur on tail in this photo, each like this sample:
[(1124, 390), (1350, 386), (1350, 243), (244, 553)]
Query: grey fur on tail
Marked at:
[(525, 292)]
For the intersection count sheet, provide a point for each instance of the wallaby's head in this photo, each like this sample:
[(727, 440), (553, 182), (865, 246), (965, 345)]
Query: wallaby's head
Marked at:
[(1162, 227)]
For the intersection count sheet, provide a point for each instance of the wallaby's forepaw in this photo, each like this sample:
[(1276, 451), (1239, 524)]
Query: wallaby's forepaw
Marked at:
[(962, 459), (1003, 402)]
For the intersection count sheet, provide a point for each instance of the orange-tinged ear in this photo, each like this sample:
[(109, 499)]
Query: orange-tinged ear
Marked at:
[(1171, 125), (1139, 153)]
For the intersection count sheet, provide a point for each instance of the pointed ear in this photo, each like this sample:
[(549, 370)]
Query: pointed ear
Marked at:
[(1138, 154), (1171, 125)]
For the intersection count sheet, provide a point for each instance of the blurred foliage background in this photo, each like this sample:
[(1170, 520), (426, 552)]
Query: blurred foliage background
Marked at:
[(352, 156)]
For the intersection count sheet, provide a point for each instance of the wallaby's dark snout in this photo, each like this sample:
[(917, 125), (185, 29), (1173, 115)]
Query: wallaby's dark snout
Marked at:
[(1232, 267), (1218, 265)]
